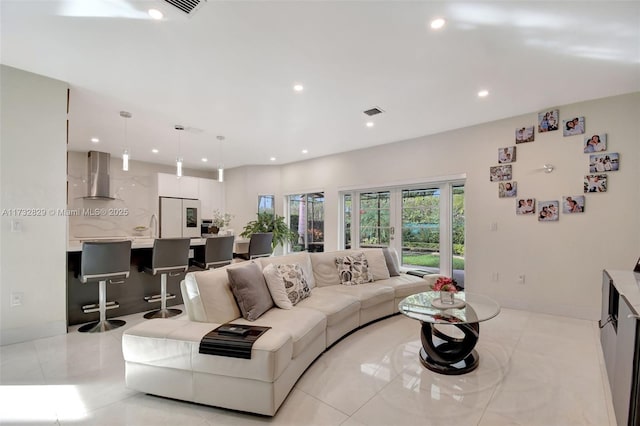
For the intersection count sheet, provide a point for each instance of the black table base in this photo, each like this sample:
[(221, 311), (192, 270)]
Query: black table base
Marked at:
[(449, 355)]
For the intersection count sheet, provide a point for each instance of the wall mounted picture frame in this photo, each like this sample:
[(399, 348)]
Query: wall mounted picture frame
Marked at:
[(573, 204), (548, 121), (548, 211), (500, 173), (525, 134), (507, 154), (507, 189), (607, 162), (595, 183), (573, 126), (526, 206), (595, 143)]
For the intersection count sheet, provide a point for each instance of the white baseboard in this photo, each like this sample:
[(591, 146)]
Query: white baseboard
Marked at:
[(25, 334)]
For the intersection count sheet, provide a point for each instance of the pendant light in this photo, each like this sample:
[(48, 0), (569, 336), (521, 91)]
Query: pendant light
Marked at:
[(220, 165), (125, 151), (179, 158)]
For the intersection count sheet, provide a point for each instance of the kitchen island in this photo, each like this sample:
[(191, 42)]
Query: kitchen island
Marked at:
[(131, 294)]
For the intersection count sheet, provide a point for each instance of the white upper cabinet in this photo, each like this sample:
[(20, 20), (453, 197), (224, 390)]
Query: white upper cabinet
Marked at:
[(210, 192), (170, 185)]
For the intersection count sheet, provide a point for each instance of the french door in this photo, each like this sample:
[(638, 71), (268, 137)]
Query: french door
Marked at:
[(424, 223)]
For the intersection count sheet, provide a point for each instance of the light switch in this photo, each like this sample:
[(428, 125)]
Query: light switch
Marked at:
[(493, 226), (16, 225)]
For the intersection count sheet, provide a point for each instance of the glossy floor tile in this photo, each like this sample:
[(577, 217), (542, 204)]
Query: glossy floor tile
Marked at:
[(534, 370)]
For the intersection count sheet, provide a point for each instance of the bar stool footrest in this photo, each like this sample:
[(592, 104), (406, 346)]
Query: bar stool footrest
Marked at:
[(95, 307), (158, 298)]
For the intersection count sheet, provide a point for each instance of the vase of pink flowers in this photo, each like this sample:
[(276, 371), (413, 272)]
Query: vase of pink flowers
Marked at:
[(447, 288)]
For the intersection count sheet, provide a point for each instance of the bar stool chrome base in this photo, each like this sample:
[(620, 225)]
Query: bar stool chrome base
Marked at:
[(162, 313), (100, 326)]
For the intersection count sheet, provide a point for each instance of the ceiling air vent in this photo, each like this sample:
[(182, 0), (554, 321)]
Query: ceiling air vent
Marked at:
[(373, 111), (187, 6)]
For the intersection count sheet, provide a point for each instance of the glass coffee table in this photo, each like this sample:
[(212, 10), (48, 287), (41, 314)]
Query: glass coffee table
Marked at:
[(442, 352)]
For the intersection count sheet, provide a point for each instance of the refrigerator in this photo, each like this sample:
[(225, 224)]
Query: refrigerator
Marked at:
[(179, 217)]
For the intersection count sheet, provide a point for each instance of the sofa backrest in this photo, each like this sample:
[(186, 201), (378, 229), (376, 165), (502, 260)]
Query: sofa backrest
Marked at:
[(324, 266), (302, 258), (208, 297)]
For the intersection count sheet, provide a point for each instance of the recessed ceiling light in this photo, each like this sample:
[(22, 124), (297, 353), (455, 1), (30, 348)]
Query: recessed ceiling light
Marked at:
[(272, 158), (305, 151), (155, 151), (298, 87), (155, 14), (95, 140), (369, 123), (483, 93), (204, 160), (438, 23)]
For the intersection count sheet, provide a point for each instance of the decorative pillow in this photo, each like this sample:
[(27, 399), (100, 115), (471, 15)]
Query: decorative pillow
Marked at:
[(353, 269), (392, 262), (287, 284), (275, 283), (377, 264), (250, 290)]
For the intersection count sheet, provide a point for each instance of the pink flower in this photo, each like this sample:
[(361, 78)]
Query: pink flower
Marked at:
[(445, 284)]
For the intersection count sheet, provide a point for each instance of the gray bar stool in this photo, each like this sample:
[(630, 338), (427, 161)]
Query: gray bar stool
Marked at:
[(102, 261), (170, 256), (217, 252)]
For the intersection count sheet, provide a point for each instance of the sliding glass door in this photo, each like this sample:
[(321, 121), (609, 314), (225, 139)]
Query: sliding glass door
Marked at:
[(306, 217), (424, 223)]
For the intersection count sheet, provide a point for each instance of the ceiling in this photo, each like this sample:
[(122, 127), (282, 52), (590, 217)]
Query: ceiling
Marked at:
[(229, 69)]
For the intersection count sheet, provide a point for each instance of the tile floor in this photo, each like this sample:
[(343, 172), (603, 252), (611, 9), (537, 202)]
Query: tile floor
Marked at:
[(534, 370)]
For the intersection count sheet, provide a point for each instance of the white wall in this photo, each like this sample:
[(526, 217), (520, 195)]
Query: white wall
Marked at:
[(135, 190), (563, 260), (32, 176)]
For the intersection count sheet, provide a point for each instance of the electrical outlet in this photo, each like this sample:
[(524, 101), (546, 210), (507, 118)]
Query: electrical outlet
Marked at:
[(521, 279), (494, 277), (16, 298)]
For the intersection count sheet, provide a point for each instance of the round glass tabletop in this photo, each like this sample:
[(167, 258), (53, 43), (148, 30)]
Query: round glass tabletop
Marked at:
[(477, 308)]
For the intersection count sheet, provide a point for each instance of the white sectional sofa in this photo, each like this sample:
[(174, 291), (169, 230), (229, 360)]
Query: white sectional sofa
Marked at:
[(162, 355)]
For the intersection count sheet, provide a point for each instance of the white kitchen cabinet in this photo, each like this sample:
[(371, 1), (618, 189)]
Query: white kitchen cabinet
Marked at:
[(211, 195), (170, 185)]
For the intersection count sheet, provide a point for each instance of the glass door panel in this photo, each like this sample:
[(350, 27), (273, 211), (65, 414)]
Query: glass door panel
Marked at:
[(375, 221), (421, 228)]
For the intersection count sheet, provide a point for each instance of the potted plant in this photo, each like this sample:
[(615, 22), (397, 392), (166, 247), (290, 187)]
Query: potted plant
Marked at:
[(447, 288), (267, 222), (219, 220)]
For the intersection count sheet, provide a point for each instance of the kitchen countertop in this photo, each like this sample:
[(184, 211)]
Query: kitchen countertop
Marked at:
[(75, 244)]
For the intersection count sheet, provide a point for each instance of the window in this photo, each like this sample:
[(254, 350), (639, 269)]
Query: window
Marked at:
[(306, 217), (266, 204), (429, 217)]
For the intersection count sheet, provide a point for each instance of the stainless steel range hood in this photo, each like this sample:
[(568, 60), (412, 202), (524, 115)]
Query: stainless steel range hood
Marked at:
[(98, 178)]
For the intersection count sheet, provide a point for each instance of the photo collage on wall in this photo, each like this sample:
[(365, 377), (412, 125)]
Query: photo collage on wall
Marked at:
[(594, 144)]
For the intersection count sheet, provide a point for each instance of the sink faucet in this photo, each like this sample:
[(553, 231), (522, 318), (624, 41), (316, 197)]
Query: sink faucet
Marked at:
[(153, 226)]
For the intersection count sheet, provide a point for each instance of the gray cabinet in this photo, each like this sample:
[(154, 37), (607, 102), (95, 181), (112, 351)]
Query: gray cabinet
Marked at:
[(619, 336)]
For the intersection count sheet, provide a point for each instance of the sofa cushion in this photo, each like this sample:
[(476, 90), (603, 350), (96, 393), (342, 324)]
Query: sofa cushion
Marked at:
[(301, 258), (208, 297), (353, 269), (336, 306), (377, 263), (368, 295), (287, 284), (325, 271), (391, 259), (405, 285), (250, 289), (304, 325)]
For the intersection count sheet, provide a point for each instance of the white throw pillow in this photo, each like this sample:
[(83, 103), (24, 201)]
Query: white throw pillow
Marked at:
[(377, 264), (287, 284)]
